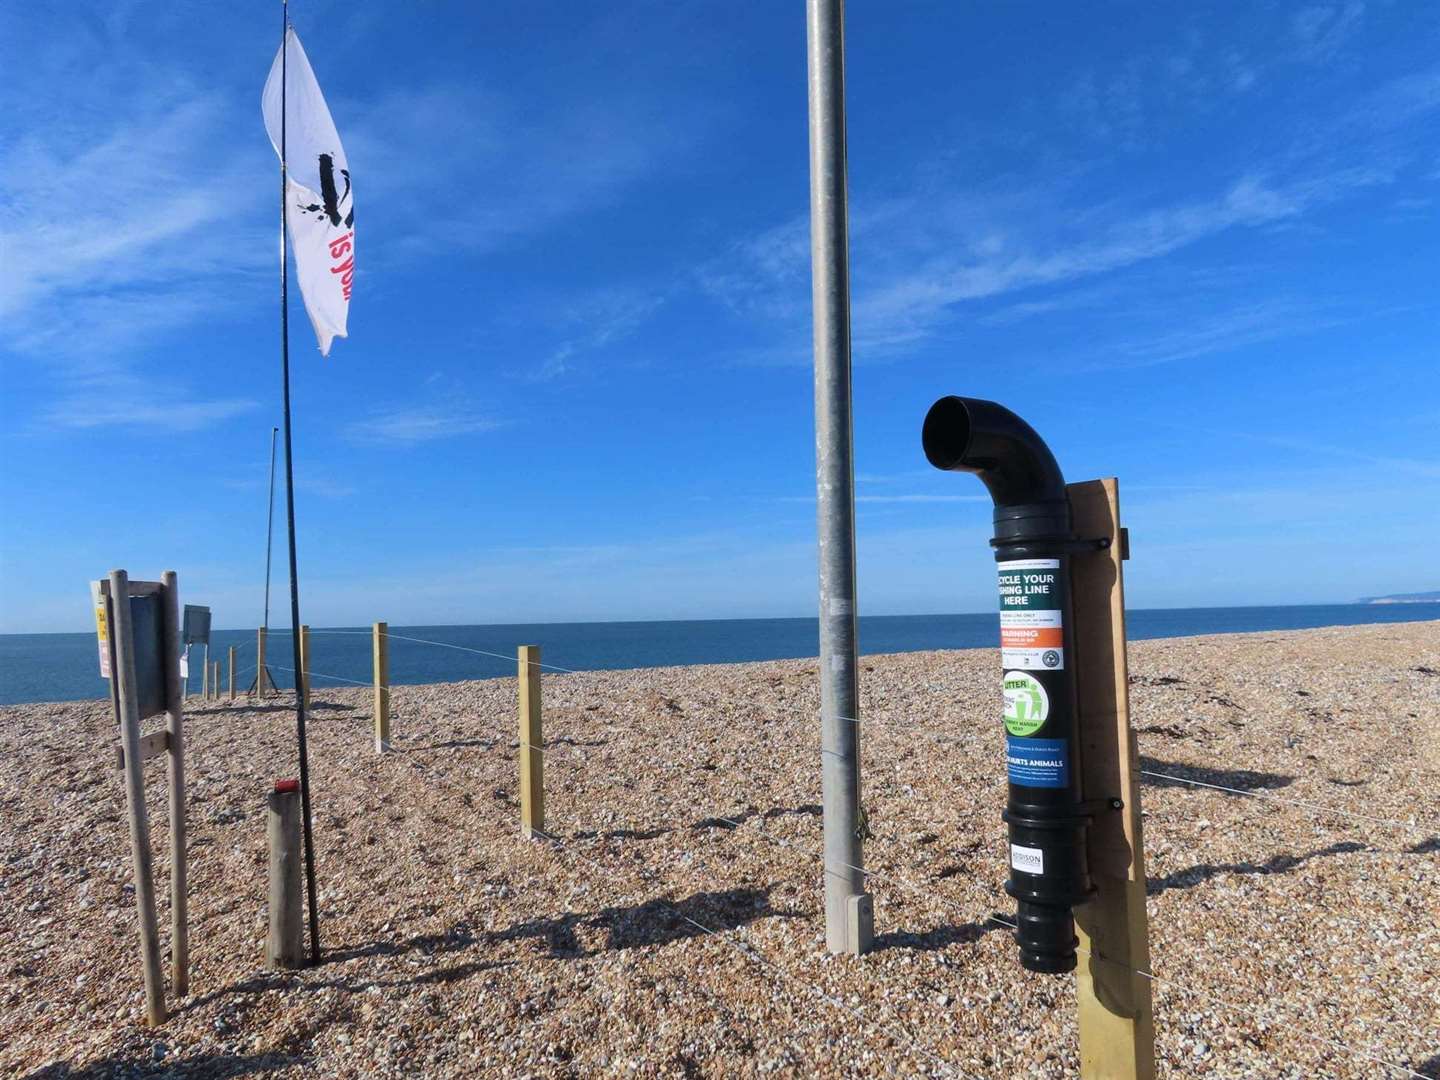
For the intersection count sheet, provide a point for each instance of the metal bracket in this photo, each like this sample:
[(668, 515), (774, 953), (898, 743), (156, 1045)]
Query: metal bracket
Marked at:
[(862, 826)]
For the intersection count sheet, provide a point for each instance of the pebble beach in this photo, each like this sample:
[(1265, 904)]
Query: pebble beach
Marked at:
[(672, 924)]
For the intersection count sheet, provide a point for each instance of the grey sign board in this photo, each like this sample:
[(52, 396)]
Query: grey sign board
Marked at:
[(149, 635), (195, 628)]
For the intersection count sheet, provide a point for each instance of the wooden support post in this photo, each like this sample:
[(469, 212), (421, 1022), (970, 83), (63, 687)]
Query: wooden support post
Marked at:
[(126, 696), (232, 672), (381, 635), (260, 673), (175, 774), (305, 665), (205, 675), (532, 753), (1116, 1021), (285, 944)]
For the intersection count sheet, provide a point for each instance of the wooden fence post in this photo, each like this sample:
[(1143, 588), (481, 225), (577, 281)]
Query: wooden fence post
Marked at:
[(232, 672), (305, 665), (126, 696), (532, 753), (381, 636), (175, 774), (284, 945), (1116, 1021), (260, 662)]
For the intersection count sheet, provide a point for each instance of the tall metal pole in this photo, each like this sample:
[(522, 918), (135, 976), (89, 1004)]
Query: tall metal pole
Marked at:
[(290, 498), (849, 919), (270, 506), (261, 674)]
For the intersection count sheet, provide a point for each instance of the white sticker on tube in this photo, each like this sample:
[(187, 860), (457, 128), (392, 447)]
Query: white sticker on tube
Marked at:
[(1032, 634), (1028, 860)]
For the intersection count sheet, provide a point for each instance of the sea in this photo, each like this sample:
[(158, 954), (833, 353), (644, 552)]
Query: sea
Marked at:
[(65, 667)]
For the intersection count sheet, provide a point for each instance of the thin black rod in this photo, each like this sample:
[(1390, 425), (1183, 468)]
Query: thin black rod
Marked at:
[(270, 520), (290, 502)]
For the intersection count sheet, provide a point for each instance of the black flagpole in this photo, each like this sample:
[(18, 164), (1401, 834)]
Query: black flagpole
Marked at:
[(290, 499), (269, 527), (269, 541)]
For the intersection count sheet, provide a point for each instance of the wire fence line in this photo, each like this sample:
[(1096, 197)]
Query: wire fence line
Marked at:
[(910, 728), (1318, 808), (737, 939)]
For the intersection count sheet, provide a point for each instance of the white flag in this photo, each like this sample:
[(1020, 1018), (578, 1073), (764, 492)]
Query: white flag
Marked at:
[(320, 208)]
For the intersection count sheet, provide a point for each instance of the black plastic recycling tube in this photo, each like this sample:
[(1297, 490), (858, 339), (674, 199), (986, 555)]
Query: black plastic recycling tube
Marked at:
[(1033, 542)]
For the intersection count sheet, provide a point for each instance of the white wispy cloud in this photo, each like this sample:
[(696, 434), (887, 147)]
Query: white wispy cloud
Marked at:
[(323, 486), (308, 481), (595, 321), (1227, 328), (1319, 31), (117, 230), (523, 165), (129, 222), (919, 262), (103, 231), (142, 410), (919, 290), (409, 425)]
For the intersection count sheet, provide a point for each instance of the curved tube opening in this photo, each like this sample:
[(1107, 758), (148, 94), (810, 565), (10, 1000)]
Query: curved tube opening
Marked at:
[(975, 436), (946, 434)]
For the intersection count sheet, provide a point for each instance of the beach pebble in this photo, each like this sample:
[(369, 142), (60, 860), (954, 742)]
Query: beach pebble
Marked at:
[(652, 938)]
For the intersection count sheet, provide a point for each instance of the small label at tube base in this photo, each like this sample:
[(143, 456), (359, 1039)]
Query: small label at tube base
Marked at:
[(1028, 860)]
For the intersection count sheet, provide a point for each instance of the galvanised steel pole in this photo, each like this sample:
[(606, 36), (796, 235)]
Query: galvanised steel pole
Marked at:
[(848, 917)]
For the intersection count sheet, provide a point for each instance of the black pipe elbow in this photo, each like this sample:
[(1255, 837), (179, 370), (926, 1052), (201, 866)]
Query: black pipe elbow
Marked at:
[(1046, 814), (971, 435)]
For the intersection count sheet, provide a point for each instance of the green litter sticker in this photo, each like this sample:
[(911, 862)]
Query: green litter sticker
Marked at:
[(1027, 705)]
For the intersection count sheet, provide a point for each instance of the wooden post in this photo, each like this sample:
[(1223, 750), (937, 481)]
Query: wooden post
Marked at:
[(205, 675), (532, 753), (285, 944), (232, 672), (381, 635), (123, 671), (260, 662), (175, 773), (305, 665), (1116, 1021)]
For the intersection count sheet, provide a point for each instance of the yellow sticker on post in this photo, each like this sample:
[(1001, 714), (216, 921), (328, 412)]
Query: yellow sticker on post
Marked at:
[(101, 632)]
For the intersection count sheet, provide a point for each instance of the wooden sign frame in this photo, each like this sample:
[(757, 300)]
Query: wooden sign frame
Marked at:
[(135, 750)]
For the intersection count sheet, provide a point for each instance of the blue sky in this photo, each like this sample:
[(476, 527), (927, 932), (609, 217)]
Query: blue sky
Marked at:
[(1195, 247)]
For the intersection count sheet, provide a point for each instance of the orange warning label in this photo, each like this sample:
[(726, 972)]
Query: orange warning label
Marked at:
[(1031, 637)]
